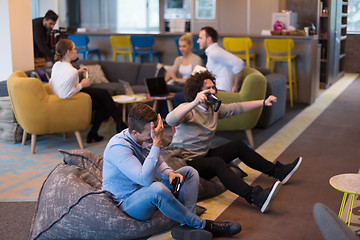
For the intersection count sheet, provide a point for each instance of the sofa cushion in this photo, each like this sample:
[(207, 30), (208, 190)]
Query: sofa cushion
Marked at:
[(6, 110), (114, 88), (96, 74), (10, 130), (264, 71), (147, 70), (139, 89), (121, 70), (276, 85)]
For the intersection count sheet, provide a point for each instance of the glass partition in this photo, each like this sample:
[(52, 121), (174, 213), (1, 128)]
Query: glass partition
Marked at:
[(117, 16)]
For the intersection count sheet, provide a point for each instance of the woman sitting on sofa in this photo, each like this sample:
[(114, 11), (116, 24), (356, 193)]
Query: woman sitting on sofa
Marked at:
[(183, 65), (64, 82), (180, 71)]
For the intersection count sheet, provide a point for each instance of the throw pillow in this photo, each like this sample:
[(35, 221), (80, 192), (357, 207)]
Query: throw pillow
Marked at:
[(96, 74), (44, 77), (161, 70)]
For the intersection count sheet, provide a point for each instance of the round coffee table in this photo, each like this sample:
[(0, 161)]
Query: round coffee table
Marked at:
[(127, 99), (348, 183)]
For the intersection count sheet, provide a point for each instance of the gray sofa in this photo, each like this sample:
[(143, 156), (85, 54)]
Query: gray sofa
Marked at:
[(276, 85), (133, 73)]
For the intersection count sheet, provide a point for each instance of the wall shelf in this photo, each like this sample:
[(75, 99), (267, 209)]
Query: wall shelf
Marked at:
[(333, 26)]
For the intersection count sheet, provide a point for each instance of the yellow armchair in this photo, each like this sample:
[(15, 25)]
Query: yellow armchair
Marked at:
[(253, 88), (40, 112)]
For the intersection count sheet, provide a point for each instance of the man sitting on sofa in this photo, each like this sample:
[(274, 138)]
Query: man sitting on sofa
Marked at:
[(196, 122), (131, 162)]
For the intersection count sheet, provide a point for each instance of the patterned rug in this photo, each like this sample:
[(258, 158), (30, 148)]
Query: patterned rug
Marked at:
[(22, 173)]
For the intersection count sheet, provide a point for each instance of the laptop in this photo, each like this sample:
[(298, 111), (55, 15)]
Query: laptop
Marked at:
[(157, 87), (127, 88)]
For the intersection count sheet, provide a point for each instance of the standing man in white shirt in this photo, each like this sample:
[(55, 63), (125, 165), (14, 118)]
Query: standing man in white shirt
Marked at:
[(225, 66)]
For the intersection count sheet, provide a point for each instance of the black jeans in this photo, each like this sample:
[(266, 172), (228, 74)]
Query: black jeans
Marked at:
[(215, 163), (102, 106)]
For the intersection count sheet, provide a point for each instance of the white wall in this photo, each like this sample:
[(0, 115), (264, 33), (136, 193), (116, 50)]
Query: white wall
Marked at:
[(16, 37), (45, 5), (261, 14), (5, 42), (239, 16)]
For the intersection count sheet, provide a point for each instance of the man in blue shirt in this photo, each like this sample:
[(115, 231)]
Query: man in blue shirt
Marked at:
[(131, 162)]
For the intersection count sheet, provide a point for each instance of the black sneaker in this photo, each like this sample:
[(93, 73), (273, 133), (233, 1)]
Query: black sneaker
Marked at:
[(225, 228), (188, 233), (264, 198), (289, 169)]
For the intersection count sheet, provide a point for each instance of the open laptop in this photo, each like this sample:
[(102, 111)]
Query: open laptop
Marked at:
[(157, 87)]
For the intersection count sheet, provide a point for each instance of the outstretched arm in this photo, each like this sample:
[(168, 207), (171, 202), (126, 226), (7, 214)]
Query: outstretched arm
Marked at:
[(251, 105), (174, 117)]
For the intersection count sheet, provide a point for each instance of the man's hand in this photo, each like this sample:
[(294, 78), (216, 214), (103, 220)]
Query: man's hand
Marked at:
[(157, 132), (173, 175), (270, 100)]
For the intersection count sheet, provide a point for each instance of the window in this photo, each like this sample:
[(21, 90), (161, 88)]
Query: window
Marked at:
[(34, 9), (353, 20), (122, 16), (137, 16)]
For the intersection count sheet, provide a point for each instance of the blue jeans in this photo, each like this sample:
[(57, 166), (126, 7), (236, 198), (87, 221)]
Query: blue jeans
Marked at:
[(142, 203)]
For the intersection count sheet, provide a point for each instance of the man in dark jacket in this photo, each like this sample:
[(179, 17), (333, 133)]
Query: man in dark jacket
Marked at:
[(41, 34)]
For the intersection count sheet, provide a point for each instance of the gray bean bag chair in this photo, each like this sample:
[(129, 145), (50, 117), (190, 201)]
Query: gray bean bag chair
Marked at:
[(71, 205)]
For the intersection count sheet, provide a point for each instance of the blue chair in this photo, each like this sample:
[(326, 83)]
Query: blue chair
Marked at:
[(142, 46), (81, 43), (195, 49)]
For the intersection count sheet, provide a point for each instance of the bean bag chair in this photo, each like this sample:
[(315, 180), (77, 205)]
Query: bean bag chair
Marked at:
[(71, 205)]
